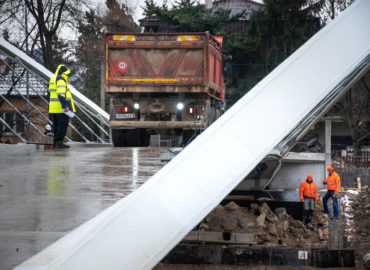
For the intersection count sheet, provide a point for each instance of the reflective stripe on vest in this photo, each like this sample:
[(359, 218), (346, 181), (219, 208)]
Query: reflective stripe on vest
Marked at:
[(331, 183)]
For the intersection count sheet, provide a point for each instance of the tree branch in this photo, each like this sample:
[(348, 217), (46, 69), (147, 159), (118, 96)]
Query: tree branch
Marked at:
[(53, 30)]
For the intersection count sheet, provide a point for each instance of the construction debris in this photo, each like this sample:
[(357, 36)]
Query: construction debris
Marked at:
[(259, 226), (268, 227), (356, 205)]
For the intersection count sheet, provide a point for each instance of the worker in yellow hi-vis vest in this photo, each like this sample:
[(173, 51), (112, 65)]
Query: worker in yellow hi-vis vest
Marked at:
[(61, 105)]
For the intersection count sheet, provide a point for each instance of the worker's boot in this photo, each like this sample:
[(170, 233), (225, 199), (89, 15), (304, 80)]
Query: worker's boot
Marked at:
[(61, 145), (304, 216), (310, 216)]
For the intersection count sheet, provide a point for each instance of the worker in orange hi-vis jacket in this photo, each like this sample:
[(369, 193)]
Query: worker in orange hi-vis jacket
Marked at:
[(333, 184), (308, 194)]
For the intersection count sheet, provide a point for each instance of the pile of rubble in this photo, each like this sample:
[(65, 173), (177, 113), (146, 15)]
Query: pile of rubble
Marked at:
[(357, 225), (269, 227)]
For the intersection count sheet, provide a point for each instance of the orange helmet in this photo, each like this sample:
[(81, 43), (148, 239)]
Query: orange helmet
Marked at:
[(330, 168), (309, 176)]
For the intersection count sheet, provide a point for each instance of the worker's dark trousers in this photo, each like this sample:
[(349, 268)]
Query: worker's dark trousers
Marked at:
[(307, 216), (327, 196), (307, 210), (60, 125)]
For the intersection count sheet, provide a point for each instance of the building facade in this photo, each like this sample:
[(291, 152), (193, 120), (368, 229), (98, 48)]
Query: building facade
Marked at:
[(18, 90)]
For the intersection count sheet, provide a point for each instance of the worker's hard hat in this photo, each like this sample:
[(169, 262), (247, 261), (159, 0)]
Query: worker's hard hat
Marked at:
[(330, 168), (48, 127), (309, 176)]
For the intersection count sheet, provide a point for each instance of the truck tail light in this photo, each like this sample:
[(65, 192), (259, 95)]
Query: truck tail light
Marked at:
[(123, 109), (194, 110)]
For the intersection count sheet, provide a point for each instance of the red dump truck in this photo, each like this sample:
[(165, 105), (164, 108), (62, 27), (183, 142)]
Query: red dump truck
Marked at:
[(162, 83)]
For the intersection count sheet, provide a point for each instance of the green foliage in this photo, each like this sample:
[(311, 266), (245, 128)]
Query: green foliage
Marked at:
[(91, 27), (154, 11), (89, 51), (188, 16), (273, 34)]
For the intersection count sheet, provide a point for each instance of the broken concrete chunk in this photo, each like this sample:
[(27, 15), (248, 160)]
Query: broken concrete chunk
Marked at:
[(271, 217), (228, 222), (203, 227), (254, 208), (272, 229), (246, 220), (265, 237), (296, 232), (298, 224), (283, 225), (264, 208), (321, 234), (261, 219), (231, 206), (219, 208), (281, 212)]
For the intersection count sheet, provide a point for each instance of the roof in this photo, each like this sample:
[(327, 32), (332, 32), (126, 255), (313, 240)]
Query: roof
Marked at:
[(238, 6), (18, 78)]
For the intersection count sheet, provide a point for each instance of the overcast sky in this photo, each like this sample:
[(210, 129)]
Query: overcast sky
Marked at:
[(135, 5)]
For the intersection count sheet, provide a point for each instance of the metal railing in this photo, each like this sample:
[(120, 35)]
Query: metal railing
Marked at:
[(17, 69)]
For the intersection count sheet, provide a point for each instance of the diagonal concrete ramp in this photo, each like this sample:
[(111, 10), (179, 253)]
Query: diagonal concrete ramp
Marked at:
[(139, 230)]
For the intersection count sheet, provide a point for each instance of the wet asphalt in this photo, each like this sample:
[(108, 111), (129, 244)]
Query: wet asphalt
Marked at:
[(44, 194)]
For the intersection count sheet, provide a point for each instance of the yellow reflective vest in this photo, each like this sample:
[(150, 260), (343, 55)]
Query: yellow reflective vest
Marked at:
[(60, 95)]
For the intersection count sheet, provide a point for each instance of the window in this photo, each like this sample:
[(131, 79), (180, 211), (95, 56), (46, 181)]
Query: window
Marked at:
[(14, 120)]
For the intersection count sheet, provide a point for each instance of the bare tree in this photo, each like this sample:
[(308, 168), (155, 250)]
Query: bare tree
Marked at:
[(330, 9), (115, 16), (39, 23), (118, 17), (356, 104), (354, 108)]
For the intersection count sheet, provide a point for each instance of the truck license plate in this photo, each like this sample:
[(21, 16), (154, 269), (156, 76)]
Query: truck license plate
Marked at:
[(124, 116)]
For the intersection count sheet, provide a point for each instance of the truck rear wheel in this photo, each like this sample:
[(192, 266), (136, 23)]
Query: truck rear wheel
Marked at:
[(144, 137), (130, 137), (118, 137)]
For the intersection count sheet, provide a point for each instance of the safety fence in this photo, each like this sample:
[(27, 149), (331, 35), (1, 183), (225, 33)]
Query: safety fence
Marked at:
[(346, 157), (353, 169)]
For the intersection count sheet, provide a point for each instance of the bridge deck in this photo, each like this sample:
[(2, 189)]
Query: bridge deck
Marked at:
[(45, 194)]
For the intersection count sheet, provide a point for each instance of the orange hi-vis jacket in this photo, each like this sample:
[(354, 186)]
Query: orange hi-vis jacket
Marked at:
[(333, 182), (308, 190)]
